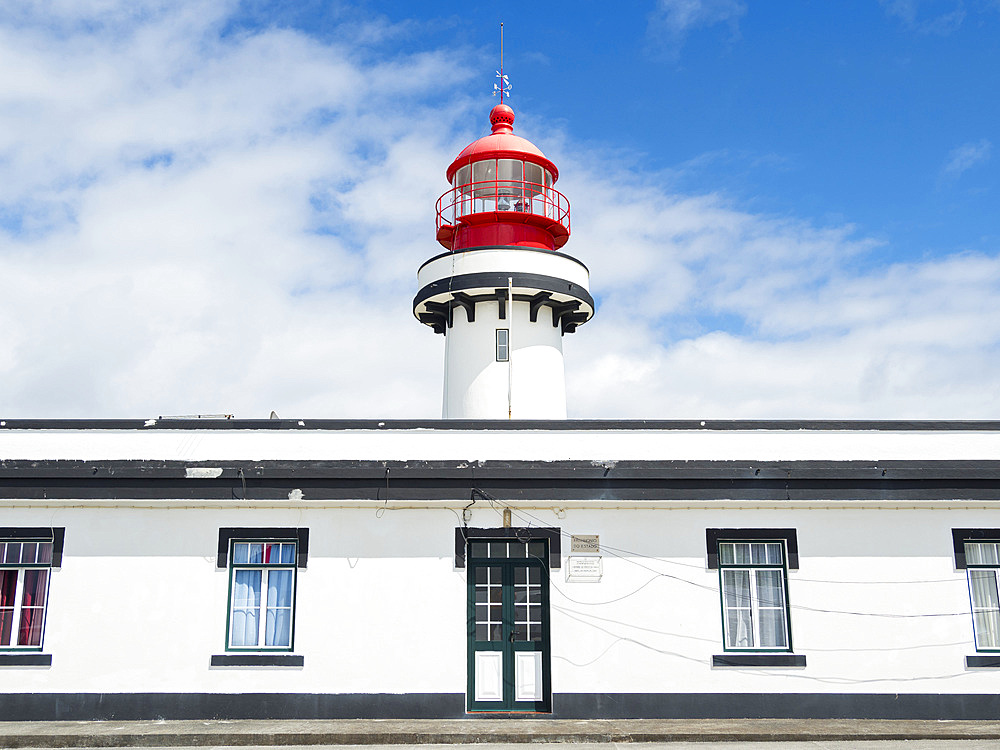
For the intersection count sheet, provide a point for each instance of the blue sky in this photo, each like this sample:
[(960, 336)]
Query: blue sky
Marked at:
[(881, 114), (789, 209)]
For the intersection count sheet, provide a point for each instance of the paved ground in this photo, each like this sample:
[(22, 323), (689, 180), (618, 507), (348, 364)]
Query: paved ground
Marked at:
[(808, 745), (598, 734)]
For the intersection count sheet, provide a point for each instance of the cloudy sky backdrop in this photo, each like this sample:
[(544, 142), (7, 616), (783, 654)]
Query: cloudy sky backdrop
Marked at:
[(789, 210)]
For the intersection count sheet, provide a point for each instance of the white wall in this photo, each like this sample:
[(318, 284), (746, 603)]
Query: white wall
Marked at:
[(476, 385), (138, 605)]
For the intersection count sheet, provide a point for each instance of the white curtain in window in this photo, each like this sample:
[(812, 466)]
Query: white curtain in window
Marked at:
[(986, 607), (771, 608), (736, 593), (243, 627), (278, 626)]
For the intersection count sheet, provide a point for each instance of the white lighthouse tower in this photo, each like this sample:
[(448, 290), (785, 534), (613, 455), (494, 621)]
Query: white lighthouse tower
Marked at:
[(502, 293)]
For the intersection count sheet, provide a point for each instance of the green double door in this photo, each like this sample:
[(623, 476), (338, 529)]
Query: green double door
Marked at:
[(508, 626)]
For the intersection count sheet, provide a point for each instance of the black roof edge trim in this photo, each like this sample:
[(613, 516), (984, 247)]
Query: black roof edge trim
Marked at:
[(735, 425), (491, 280)]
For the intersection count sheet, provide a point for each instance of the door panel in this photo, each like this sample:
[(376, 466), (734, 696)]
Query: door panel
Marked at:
[(489, 675), (528, 676)]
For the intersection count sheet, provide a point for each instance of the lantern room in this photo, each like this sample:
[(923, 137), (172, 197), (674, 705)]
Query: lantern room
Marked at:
[(502, 194)]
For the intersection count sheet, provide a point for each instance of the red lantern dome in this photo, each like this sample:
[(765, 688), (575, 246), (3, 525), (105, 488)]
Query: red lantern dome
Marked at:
[(502, 194)]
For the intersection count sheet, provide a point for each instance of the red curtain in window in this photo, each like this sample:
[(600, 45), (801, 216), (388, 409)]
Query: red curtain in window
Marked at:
[(8, 585), (32, 608)]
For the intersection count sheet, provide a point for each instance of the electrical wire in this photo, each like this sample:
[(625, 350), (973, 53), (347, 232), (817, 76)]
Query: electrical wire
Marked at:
[(521, 513)]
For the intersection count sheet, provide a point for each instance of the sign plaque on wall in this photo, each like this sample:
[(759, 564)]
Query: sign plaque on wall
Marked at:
[(584, 569), (585, 543)]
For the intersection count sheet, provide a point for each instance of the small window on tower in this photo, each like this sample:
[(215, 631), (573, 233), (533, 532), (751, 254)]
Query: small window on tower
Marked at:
[(503, 344)]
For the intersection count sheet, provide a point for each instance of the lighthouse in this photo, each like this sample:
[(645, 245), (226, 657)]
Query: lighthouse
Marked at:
[(503, 293)]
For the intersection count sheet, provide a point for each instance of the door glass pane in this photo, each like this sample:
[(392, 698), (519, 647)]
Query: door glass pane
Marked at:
[(498, 549), (536, 550), (489, 613)]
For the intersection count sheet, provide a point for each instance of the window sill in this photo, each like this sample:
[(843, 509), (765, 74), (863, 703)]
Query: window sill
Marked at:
[(29, 659), (758, 660), (257, 660), (982, 662)]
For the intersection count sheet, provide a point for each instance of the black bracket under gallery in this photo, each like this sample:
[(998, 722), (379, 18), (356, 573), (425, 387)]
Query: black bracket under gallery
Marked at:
[(559, 309), (570, 321), (437, 316), (960, 536), (466, 302), (55, 534), (521, 533), (758, 660), (257, 660), (299, 536), (501, 296), (714, 536), (535, 303)]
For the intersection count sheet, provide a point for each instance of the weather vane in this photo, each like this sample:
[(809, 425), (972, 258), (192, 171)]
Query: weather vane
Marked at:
[(504, 86)]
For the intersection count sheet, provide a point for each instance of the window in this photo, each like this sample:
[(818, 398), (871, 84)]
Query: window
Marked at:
[(503, 344), (982, 561), (753, 585), (261, 594), (754, 604), (25, 564)]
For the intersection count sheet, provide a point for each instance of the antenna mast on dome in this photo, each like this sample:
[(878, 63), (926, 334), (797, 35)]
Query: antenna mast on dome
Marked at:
[(504, 86)]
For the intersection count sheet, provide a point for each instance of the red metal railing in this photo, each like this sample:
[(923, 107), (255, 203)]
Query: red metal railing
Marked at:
[(515, 196)]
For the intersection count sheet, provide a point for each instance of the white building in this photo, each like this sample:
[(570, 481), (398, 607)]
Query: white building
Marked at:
[(285, 568)]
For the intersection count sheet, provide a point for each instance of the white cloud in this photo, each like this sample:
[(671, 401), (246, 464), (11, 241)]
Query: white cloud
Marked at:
[(199, 223), (672, 20), (927, 16), (965, 157)]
